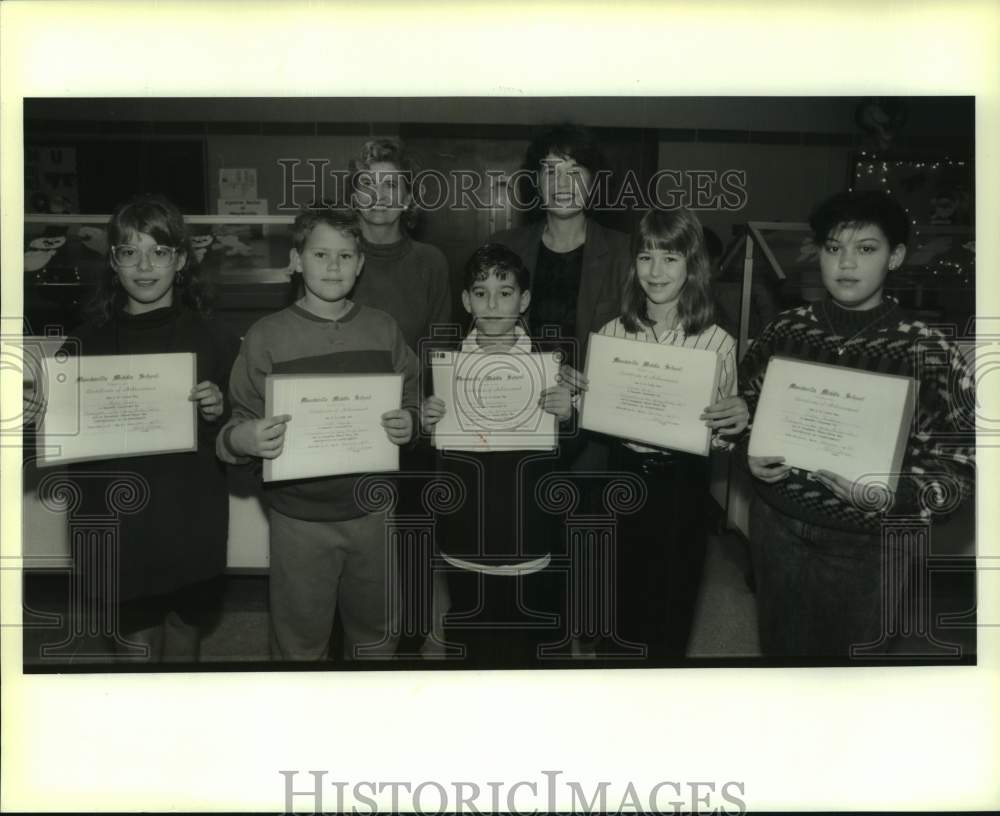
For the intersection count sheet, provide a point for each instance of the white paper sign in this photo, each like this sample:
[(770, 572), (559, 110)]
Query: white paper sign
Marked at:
[(238, 182)]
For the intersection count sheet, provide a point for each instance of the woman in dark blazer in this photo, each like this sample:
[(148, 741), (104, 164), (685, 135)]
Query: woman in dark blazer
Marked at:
[(578, 269)]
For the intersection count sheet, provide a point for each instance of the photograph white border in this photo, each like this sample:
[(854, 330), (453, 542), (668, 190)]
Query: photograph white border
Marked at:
[(833, 739)]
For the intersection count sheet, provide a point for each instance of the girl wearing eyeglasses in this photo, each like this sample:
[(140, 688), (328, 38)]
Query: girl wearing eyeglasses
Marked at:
[(152, 299)]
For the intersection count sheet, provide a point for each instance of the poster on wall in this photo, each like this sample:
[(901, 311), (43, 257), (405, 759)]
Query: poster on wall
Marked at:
[(51, 184), (237, 182)]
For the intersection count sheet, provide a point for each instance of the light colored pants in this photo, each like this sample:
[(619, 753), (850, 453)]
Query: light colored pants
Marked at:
[(319, 567)]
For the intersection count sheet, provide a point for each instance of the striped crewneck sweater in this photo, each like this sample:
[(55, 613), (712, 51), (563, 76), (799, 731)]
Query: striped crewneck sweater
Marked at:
[(938, 465)]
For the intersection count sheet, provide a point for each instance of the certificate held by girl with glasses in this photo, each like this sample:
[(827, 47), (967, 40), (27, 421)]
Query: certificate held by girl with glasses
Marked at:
[(650, 393), (110, 406)]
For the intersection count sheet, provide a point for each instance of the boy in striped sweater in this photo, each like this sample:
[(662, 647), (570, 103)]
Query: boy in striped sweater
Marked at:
[(815, 539), (327, 553)]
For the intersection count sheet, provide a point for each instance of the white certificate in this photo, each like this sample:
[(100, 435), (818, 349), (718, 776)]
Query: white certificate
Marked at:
[(821, 417), (336, 425), (649, 392), (103, 407), (493, 400)]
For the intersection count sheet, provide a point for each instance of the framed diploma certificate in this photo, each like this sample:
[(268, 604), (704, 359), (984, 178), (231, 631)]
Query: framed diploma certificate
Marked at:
[(336, 425), (821, 417), (118, 405), (649, 392), (492, 400)]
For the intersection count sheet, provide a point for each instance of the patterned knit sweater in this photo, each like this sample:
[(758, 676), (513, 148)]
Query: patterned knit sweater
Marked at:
[(937, 469)]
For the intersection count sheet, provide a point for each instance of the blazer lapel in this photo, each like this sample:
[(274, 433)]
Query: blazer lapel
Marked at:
[(528, 249), (593, 273)]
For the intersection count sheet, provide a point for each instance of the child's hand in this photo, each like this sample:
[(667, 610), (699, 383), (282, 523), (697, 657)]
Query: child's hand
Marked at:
[(867, 497), (398, 426), (769, 469), (572, 379), (260, 437), (728, 416), (557, 401), (209, 398), (431, 411)]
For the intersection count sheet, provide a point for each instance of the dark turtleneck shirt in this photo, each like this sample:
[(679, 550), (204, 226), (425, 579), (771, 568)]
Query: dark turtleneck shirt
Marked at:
[(408, 280), (179, 536)]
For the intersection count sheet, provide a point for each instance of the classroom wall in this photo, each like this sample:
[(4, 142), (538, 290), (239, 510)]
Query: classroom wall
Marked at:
[(783, 182), (793, 150)]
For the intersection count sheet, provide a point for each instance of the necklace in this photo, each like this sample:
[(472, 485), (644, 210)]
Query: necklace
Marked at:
[(862, 330)]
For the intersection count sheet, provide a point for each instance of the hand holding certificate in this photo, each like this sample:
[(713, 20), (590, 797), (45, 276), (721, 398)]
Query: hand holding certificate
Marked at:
[(849, 422), (493, 400), (336, 424), (119, 405), (650, 393)]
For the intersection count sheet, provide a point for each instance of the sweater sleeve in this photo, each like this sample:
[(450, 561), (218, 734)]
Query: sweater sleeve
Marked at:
[(246, 392), (404, 362), (439, 296), (754, 367), (939, 465), (225, 348)]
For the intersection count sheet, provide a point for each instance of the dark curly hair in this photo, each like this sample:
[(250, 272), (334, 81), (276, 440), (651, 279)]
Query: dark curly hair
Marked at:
[(565, 140), (861, 208), (498, 260)]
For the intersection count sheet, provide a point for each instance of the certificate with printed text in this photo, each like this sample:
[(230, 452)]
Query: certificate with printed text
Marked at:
[(493, 398), (108, 406), (821, 417), (336, 424), (650, 393)]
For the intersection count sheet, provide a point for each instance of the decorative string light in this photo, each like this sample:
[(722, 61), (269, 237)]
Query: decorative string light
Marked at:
[(870, 167)]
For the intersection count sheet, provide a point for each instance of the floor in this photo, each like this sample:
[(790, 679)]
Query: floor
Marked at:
[(725, 623), (724, 628)]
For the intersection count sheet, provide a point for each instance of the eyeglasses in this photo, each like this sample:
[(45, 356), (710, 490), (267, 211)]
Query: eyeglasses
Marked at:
[(128, 255)]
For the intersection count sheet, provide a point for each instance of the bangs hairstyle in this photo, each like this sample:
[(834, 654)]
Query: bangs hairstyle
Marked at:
[(567, 141), (158, 218), (860, 208), (499, 261), (391, 151), (671, 231)]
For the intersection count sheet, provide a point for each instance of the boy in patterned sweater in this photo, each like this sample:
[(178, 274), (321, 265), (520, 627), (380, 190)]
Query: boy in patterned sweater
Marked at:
[(816, 537)]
